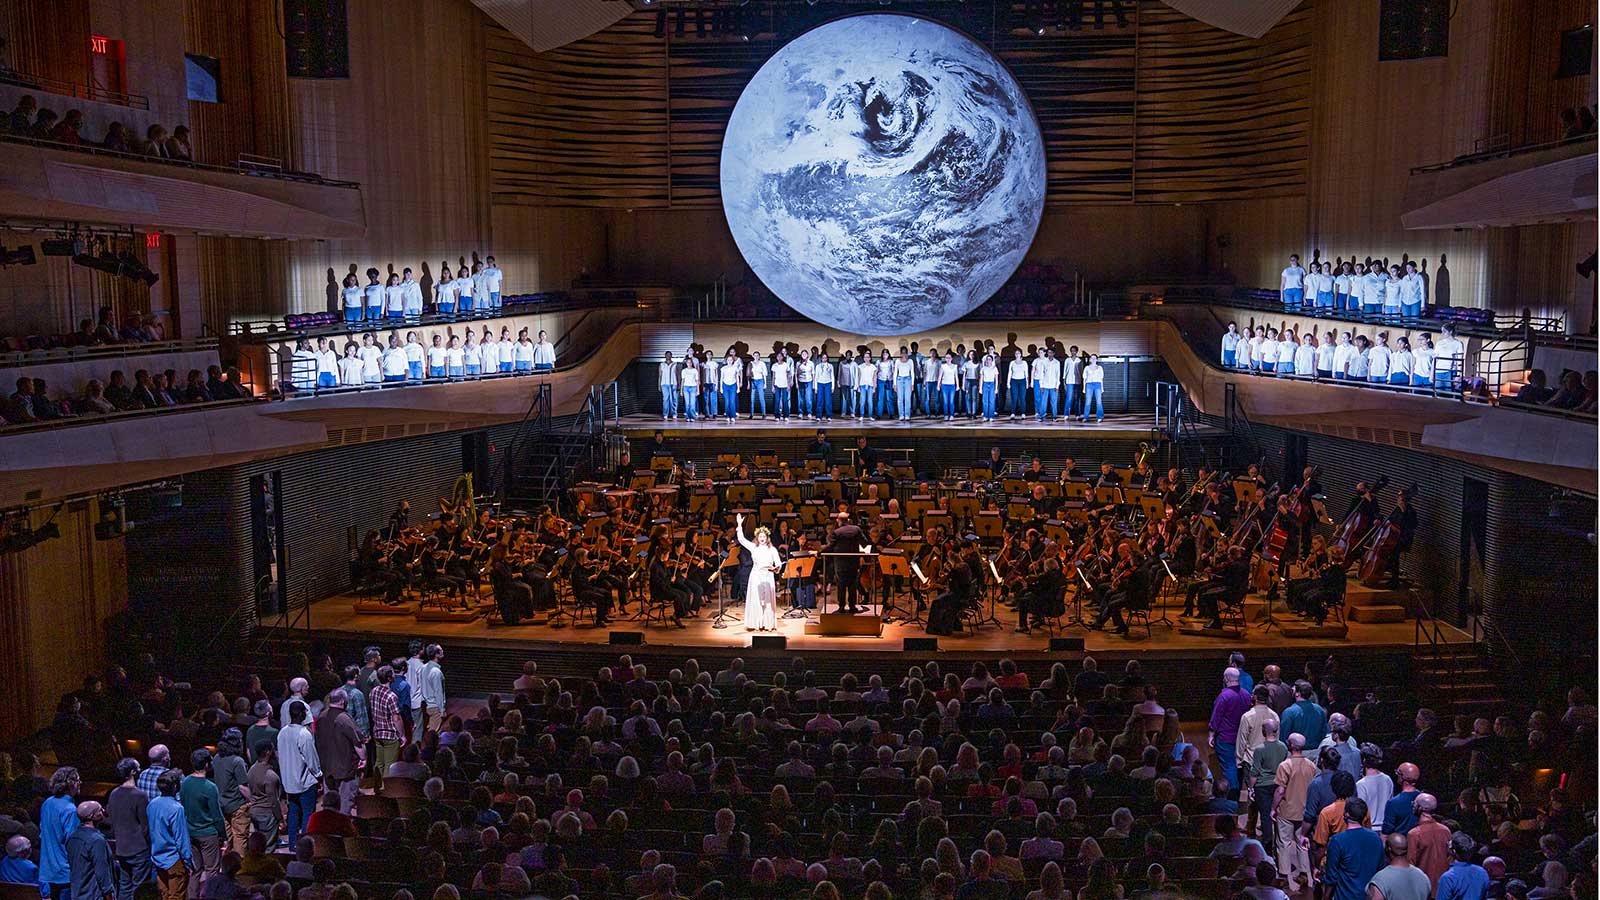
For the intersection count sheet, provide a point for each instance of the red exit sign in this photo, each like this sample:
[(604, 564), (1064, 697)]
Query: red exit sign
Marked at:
[(152, 241), (98, 44)]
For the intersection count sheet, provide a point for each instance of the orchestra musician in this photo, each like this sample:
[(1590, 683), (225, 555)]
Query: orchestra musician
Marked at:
[(944, 614), (1127, 588), (1229, 580), (1044, 596), (512, 595), (1404, 516), (663, 583)]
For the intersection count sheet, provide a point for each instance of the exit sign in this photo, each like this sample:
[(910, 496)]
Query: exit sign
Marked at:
[(152, 241), (98, 44)]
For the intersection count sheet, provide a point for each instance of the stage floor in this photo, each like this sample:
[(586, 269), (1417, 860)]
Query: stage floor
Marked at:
[(1122, 426), (338, 614)]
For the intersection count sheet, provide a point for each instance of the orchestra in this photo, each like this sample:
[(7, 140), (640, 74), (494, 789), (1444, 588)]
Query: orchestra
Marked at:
[(653, 545)]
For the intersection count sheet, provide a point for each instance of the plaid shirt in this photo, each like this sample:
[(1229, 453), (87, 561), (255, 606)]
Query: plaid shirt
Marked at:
[(385, 713), (147, 781)]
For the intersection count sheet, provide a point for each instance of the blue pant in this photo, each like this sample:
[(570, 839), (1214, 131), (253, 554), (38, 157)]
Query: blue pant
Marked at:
[(758, 398), (472, 368), (1071, 399), (415, 369), (824, 402), (1050, 397), (730, 401), (1017, 402), (669, 401), (848, 399), (129, 872), (1230, 763), (1399, 378), (925, 397), (972, 399), (436, 371), (1293, 296), (1411, 310), (803, 398), (301, 806), (1038, 400), (902, 397), (374, 313), (1372, 309), (1093, 402), (864, 400), (447, 308), (988, 399), (352, 314), (1227, 359), (709, 395), (885, 398), (780, 404), (691, 399), (464, 303), (1342, 302), (947, 399), (1325, 299), (1418, 380)]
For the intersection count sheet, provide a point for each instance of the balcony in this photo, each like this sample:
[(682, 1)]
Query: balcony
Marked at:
[(1536, 185), (50, 183)]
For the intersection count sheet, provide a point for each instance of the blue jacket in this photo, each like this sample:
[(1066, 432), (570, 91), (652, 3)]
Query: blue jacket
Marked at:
[(1304, 718), (58, 819), (169, 834)]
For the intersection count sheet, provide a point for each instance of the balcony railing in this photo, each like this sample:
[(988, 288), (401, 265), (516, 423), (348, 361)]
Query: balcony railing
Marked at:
[(73, 89)]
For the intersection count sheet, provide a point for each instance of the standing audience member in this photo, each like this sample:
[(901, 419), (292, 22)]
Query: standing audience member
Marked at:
[(58, 819), (89, 856), (202, 812), (171, 854), (338, 748), (1399, 880), (299, 766), (127, 808)]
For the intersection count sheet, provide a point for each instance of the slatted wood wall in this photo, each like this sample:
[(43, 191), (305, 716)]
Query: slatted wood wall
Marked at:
[(625, 119), (48, 38)]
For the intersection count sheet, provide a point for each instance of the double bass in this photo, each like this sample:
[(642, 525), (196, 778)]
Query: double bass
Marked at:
[(1357, 526), (1385, 539)]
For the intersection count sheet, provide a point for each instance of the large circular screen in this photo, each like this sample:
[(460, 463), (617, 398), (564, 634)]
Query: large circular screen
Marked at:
[(883, 174)]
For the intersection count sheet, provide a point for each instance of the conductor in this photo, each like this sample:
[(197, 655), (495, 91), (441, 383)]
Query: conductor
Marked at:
[(849, 540)]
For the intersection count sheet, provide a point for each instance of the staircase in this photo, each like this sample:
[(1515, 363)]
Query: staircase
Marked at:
[(544, 458), (1452, 676)]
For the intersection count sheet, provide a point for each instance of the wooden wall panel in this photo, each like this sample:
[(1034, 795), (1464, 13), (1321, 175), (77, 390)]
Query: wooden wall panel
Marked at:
[(246, 37), (409, 126), (48, 38), (54, 602), (54, 295), (545, 248), (240, 279), (1527, 100), (1221, 115)]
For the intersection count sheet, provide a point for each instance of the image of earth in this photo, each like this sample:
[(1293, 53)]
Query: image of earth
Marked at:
[(883, 174)]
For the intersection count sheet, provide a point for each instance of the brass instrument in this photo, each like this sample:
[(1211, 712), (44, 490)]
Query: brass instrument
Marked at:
[(1143, 455)]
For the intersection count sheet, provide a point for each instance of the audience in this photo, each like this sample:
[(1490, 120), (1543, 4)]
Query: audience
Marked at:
[(28, 119)]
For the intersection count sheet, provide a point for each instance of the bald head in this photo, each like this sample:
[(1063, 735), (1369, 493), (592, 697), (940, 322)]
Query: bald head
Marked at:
[(1425, 804), (1408, 773), (1395, 845), (1296, 742), (90, 812), (160, 755), (1230, 677)]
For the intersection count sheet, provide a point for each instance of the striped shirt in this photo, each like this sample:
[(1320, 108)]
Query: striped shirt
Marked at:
[(385, 713)]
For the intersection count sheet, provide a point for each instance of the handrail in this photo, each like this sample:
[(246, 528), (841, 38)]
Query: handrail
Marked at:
[(304, 177), (81, 353), (1437, 642), (1501, 153), (63, 88), (539, 413), (120, 415)]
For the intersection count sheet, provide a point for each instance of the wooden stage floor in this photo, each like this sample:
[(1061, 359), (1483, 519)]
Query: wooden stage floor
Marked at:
[(338, 615), (1121, 426)]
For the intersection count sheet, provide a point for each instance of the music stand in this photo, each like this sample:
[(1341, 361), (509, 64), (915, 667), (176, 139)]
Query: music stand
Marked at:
[(937, 519), (591, 528), (989, 526), (917, 505), (1245, 490), (1055, 531), (788, 490), (767, 459), (741, 493), (814, 513), (769, 510), (847, 470), (1019, 511), (895, 563), (1077, 514), (902, 471), (720, 473), (1108, 496), (1153, 506), (731, 562), (815, 464), (797, 567), (662, 462), (964, 505), (1075, 490), (1052, 488), (731, 460), (893, 524), (831, 490), (980, 473), (1015, 486), (1124, 473), (642, 480), (703, 502)]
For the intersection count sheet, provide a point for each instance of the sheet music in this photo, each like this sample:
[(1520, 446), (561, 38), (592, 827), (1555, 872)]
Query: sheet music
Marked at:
[(992, 570), (918, 570)]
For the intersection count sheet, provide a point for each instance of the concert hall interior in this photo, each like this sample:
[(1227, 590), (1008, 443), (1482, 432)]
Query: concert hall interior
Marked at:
[(839, 448)]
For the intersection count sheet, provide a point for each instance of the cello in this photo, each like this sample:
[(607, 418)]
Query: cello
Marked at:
[(1357, 526)]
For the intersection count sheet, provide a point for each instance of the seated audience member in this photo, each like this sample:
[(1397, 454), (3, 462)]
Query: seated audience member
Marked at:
[(94, 398)]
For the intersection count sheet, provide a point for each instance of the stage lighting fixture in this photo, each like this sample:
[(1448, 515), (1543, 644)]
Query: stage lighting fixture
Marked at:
[(21, 256), (62, 246)]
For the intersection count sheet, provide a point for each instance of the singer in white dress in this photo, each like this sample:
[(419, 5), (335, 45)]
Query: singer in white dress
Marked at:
[(761, 597)]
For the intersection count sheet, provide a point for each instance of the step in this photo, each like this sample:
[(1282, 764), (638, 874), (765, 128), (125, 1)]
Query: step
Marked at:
[(1298, 629), (1376, 614), (1357, 594), (1231, 633)]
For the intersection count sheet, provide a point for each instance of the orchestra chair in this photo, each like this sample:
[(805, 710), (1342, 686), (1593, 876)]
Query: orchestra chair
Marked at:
[(656, 609), (1139, 616), (1053, 621), (1230, 609)]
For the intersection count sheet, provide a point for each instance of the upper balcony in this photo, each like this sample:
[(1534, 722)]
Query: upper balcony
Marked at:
[(1533, 185)]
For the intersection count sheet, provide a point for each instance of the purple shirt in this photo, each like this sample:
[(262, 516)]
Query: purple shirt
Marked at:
[(1229, 707)]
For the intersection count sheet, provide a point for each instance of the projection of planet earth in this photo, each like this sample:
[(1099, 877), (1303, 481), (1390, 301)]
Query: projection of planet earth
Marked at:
[(883, 174)]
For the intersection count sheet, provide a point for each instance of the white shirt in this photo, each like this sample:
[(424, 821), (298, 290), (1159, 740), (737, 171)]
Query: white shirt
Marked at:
[(433, 685), (1377, 790), (414, 352), (436, 356), (1341, 283), (667, 374), (989, 371), (1247, 346), (1372, 289), (1069, 369), (1422, 361), (1323, 282), (1391, 293), (781, 372), (472, 355), (1446, 352), (1400, 363), (1411, 288), (480, 283), (508, 350), (804, 371), (328, 363), (303, 368), (930, 368), (1094, 373), (822, 372), (298, 765), (1230, 342), (949, 373), (1050, 374), (730, 373), (414, 666), (1286, 350), (886, 368), (1267, 352), (1305, 360), (689, 375), (444, 293), (352, 297), (464, 286), (350, 370), (708, 371), (866, 373), (492, 277), (413, 296), (1293, 277), (1342, 356), (489, 352), (1358, 364), (903, 369), (1325, 356), (523, 351), (394, 361), (1036, 371), (969, 370), (1378, 361), (758, 368), (370, 354), (544, 352), (394, 298), (374, 295), (454, 358), (1017, 370)]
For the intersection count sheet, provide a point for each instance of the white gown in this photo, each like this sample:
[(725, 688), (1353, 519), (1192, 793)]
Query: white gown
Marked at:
[(761, 596)]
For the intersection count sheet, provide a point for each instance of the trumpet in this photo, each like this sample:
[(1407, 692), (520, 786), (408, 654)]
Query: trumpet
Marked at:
[(1143, 454)]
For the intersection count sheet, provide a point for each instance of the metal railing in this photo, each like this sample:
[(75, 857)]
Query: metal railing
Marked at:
[(63, 88), (237, 169), (1497, 147), (538, 415), (54, 355), (1428, 637)]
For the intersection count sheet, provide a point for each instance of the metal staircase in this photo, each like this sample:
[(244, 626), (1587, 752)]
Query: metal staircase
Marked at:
[(546, 456)]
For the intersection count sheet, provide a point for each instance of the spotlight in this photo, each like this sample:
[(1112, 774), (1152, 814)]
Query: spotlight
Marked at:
[(62, 246), (22, 256)]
